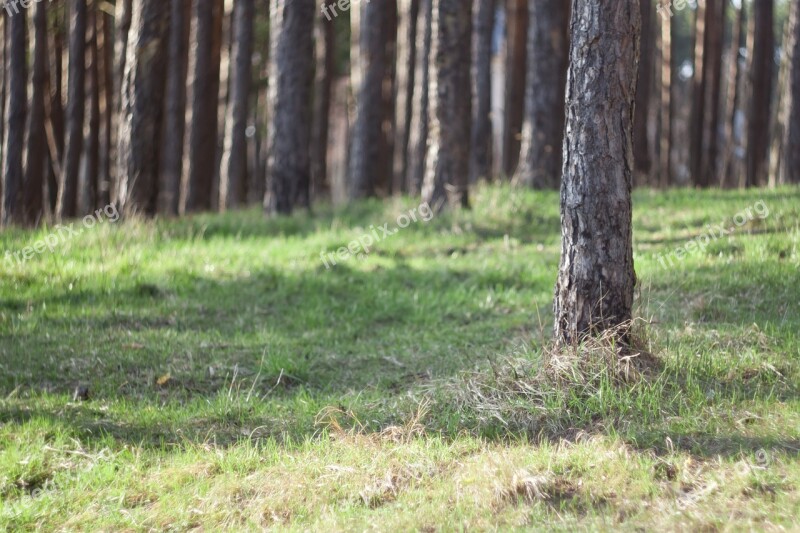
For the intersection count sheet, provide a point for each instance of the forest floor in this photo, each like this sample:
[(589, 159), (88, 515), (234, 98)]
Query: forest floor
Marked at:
[(230, 380)]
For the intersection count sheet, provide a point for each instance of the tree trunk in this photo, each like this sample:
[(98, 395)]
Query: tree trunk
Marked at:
[(36, 160), (290, 78), (481, 143), (408, 14), (91, 156), (543, 130), (447, 173), (667, 107), (730, 169), (325, 63), (641, 148), (790, 168), (175, 107), (122, 20), (365, 147), (106, 62), (233, 173), (418, 136), (516, 52), (15, 113), (142, 107), (76, 89), (760, 105), (596, 279), (203, 94), (54, 108), (698, 96)]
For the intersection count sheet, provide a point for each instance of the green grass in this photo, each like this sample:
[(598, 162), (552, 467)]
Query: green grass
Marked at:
[(236, 382)]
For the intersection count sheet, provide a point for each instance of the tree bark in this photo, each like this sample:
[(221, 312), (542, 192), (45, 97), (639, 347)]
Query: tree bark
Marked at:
[(76, 89), (36, 160), (233, 176), (760, 104), (447, 173), (203, 94), (596, 278), (91, 144), (543, 129), (785, 164), (667, 106), (325, 63), (408, 14), (106, 62), (54, 107), (730, 169), (641, 147), (481, 143), (15, 113), (516, 55), (290, 78), (418, 137), (365, 146), (142, 107)]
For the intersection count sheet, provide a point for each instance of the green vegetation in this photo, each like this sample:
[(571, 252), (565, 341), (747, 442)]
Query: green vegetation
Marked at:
[(235, 382)]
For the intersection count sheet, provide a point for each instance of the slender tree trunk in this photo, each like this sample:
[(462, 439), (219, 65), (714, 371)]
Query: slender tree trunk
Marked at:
[(641, 148), (365, 149), (732, 100), (233, 177), (203, 94), (543, 130), (595, 286), (759, 107), (481, 143), (54, 107), (76, 89), (290, 78), (716, 41), (325, 62), (106, 61), (790, 165), (91, 143), (667, 107), (122, 19), (419, 125), (15, 113), (175, 107), (142, 107), (36, 160), (698, 96), (447, 173), (516, 50), (408, 14)]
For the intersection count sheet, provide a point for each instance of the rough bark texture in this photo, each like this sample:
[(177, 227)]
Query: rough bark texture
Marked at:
[(365, 156), (759, 112), (142, 106), (233, 173), (666, 110), (204, 67), (481, 144), (73, 145), (36, 160), (418, 138), (641, 148), (175, 107), (790, 169), (15, 112), (408, 14), (596, 279), (290, 78), (516, 54), (543, 130), (447, 172), (325, 52)]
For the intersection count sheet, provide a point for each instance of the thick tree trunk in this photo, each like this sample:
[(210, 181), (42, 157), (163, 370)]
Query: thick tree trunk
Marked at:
[(233, 173), (516, 55), (203, 94), (641, 147), (667, 107), (290, 78), (408, 15), (543, 130), (759, 107), (596, 279), (365, 146), (142, 107), (122, 20), (175, 108), (418, 136), (76, 89), (790, 167), (325, 63), (36, 160), (481, 143), (447, 173), (15, 113)]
